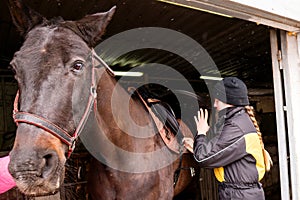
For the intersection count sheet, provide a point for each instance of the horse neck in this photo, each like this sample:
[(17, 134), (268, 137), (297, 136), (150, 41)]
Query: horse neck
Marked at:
[(111, 95), (119, 116)]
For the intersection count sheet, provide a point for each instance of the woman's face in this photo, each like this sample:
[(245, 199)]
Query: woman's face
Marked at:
[(217, 104), (220, 105)]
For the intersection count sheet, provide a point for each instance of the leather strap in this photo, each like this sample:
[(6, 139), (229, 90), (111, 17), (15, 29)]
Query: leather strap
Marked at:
[(23, 117)]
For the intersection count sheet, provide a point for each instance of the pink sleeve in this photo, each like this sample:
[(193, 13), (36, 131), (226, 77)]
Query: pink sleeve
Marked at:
[(6, 180)]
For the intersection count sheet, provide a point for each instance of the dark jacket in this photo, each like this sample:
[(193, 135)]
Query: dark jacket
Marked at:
[(234, 152)]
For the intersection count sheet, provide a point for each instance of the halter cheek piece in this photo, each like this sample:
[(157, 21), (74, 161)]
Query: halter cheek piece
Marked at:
[(64, 136)]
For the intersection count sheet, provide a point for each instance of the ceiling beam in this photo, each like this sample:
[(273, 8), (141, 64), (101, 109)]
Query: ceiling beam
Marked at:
[(241, 11)]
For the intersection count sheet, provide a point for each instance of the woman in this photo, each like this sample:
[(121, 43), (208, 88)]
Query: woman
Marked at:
[(236, 152), (6, 180)]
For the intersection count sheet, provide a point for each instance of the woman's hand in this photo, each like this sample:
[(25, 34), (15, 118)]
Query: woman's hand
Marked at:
[(201, 121), (188, 144)]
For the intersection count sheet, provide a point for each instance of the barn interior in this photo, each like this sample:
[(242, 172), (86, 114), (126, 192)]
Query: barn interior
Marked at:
[(236, 47)]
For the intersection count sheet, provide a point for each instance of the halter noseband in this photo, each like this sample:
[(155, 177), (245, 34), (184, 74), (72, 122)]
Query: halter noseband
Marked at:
[(64, 136)]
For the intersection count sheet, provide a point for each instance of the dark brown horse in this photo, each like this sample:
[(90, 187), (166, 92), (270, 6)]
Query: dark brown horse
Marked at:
[(58, 83)]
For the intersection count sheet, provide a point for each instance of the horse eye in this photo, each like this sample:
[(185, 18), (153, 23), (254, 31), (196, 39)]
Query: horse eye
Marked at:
[(77, 66)]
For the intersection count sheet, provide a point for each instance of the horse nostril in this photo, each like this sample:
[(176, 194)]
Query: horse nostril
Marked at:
[(48, 159), (49, 162)]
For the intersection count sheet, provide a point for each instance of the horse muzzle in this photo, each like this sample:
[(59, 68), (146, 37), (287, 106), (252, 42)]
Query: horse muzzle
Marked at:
[(36, 165)]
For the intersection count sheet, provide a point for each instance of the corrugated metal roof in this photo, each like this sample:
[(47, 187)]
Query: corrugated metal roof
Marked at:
[(239, 48)]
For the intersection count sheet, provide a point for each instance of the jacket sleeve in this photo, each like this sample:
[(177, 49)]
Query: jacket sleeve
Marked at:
[(6, 180), (223, 149)]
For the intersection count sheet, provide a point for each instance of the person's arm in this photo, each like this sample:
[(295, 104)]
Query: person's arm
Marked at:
[(202, 128), (221, 150), (6, 180)]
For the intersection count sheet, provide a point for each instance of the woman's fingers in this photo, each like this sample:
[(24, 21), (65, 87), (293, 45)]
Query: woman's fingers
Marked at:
[(203, 115), (206, 115), (201, 121), (196, 120), (188, 143)]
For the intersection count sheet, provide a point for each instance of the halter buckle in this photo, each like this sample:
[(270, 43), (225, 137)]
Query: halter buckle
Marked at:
[(71, 147), (93, 92)]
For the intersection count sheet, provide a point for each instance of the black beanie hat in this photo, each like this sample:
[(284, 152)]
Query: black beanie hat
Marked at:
[(232, 90)]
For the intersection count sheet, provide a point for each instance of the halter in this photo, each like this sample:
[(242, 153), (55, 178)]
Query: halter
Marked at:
[(40, 122)]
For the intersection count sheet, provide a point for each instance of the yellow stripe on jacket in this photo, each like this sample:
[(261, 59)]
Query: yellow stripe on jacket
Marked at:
[(254, 148), (219, 174)]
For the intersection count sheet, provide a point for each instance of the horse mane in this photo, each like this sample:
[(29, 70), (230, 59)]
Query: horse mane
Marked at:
[(71, 26), (58, 21), (53, 21)]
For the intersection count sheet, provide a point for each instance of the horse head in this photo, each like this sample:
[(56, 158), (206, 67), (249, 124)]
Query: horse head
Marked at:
[(54, 60)]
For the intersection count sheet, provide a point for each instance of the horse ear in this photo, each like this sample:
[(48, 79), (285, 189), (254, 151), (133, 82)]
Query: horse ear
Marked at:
[(92, 27), (23, 17)]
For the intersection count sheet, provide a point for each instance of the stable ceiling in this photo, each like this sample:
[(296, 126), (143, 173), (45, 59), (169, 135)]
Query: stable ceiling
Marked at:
[(238, 48)]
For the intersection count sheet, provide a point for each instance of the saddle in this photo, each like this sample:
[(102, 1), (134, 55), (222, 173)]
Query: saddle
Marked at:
[(171, 129)]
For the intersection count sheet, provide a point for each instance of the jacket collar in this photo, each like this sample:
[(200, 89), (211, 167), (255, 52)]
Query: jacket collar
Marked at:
[(227, 114), (230, 112)]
